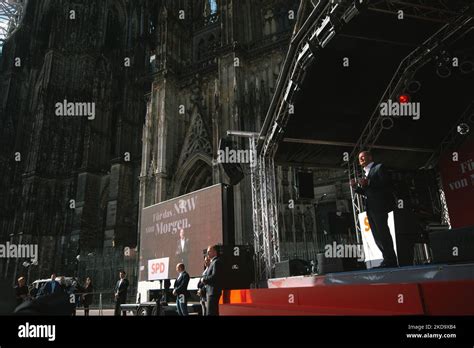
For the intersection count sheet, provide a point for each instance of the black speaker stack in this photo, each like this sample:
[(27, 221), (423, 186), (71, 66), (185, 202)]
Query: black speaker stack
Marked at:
[(233, 170), (238, 266), (338, 264), (305, 185), (452, 246), (291, 268)]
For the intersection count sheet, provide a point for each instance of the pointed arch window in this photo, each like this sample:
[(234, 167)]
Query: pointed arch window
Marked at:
[(213, 6)]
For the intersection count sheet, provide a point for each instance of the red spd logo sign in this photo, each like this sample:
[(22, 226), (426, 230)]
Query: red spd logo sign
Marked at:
[(158, 268)]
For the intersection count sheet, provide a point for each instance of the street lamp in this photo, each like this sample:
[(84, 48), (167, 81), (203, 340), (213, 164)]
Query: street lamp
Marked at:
[(12, 235), (29, 266), (8, 259)]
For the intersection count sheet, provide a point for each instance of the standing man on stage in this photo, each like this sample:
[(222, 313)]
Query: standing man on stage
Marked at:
[(212, 280), (120, 291), (181, 290), (202, 288), (376, 187)]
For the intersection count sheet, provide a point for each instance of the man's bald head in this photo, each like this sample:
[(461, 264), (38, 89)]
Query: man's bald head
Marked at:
[(212, 251), (365, 158)]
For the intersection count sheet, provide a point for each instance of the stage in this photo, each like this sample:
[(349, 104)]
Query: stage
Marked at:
[(444, 289)]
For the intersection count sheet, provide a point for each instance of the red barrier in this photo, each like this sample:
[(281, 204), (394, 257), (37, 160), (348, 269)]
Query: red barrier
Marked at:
[(448, 298), (363, 299), (430, 298)]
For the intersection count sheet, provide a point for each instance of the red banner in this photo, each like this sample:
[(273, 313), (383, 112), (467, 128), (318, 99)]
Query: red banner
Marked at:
[(458, 184)]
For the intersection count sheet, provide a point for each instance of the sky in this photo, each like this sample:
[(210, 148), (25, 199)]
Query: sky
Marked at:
[(3, 28), (3, 25)]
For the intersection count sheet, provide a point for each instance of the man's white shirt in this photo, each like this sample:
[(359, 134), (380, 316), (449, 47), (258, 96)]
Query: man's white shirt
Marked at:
[(120, 283), (367, 168)]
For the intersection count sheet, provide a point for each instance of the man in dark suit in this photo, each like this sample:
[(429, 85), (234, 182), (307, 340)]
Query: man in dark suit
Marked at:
[(51, 287), (376, 187), (120, 291), (181, 290), (212, 280), (202, 287), (182, 248), (21, 291)]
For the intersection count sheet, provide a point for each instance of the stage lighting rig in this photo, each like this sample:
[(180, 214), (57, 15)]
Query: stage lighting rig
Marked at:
[(443, 64), (324, 33), (412, 86), (403, 98), (334, 21), (328, 29), (463, 128), (443, 71), (354, 10), (466, 67)]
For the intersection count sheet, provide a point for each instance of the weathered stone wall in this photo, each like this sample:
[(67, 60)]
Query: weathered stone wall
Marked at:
[(224, 83), (74, 188), (78, 184)]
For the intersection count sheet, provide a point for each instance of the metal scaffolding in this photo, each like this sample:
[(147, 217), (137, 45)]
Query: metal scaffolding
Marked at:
[(11, 12), (265, 220), (326, 19), (451, 141), (453, 138), (259, 245), (421, 56), (428, 10)]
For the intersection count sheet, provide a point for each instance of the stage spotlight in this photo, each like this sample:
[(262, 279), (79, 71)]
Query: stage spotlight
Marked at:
[(387, 123), (354, 10), (413, 86), (403, 98), (325, 32), (467, 67), (443, 71), (443, 68), (463, 128)]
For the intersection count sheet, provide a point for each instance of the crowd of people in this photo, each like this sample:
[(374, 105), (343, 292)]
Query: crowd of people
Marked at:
[(56, 296), (62, 297)]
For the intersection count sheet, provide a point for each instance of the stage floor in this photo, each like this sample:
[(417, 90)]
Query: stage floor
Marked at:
[(415, 290), (406, 274)]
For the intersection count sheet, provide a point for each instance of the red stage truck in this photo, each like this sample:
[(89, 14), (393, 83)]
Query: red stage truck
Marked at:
[(178, 231)]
